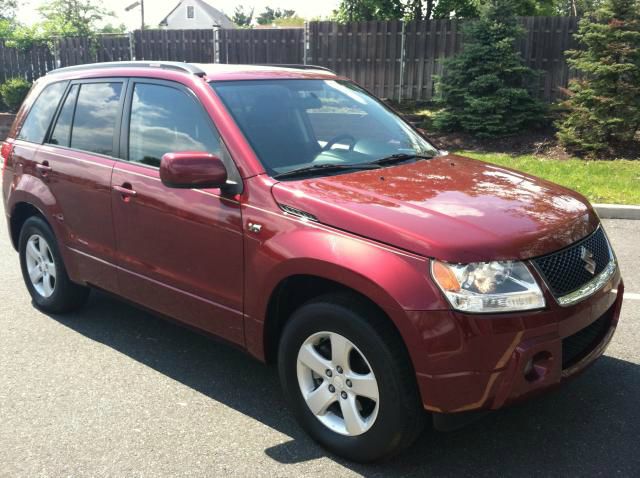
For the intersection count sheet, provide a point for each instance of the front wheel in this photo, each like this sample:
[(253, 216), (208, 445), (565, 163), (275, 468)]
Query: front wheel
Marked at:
[(348, 379)]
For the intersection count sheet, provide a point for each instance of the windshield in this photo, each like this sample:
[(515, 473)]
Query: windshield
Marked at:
[(296, 124)]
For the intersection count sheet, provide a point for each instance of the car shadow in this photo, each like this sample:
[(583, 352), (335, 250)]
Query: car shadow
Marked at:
[(591, 426)]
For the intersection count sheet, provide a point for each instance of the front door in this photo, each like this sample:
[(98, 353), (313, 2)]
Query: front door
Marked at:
[(179, 250)]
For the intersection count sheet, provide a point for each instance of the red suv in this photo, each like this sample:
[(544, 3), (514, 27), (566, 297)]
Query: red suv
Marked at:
[(293, 214)]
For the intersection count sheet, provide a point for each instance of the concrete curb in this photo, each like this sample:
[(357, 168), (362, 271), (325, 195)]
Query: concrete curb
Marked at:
[(617, 211)]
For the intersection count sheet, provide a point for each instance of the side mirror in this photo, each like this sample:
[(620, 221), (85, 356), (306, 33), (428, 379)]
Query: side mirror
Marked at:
[(192, 170)]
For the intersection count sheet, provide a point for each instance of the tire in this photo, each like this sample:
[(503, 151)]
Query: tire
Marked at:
[(394, 420), (53, 291)]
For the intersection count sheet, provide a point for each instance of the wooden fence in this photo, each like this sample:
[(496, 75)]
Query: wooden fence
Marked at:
[(261, 46), (30, 64), (197, 46), (393, 59)]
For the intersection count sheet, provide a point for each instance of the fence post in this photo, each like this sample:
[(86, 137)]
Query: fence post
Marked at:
[(216, 45), (55, 44), (402, 60), (305, 42), (132, 50)]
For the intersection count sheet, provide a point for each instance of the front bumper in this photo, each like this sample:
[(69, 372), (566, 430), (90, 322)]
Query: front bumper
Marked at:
[(472, 362)]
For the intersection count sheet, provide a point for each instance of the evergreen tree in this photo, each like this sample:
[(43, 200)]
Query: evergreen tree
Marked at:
[(485, 89), (604, 103)]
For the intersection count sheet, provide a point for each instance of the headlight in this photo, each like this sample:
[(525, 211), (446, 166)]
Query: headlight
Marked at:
[(483, 287)]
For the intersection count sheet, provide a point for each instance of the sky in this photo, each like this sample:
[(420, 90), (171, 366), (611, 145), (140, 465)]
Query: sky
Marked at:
[(156, 10)]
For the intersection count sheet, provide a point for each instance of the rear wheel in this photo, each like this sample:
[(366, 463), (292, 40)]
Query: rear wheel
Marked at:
[(43, 270), (346, 375)]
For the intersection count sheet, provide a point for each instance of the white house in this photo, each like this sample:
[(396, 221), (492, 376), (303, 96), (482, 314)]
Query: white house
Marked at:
[(195, 14)]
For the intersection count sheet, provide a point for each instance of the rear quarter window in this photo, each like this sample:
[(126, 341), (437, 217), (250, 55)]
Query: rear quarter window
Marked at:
[(39, 117), (61, 132)]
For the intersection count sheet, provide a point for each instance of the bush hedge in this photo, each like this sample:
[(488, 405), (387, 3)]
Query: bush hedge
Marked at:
[(14, 91)]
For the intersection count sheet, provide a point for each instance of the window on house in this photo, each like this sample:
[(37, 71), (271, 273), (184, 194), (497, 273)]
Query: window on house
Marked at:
[(190, 12)]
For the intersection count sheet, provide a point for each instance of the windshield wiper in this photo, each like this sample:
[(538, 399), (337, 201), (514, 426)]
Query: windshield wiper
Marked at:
[(324, 168), (399, 158)]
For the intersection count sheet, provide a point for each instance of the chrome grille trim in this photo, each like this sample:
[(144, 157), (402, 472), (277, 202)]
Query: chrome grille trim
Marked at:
[(591, 287)]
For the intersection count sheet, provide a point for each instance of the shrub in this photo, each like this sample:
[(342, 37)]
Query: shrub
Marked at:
[(14, 91), (485, 88), (603, 107)]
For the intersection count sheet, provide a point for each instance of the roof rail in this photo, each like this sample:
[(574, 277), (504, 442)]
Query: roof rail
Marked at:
[(299, 67), (167, 65)]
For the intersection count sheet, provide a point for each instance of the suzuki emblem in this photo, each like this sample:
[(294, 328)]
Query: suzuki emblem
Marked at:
[(587, 257)]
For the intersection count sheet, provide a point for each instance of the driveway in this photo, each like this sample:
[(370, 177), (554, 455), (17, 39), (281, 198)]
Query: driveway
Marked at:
[(112, 390)]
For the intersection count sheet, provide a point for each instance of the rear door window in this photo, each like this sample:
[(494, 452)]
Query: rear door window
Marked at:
[(95, 119), (39, 117)]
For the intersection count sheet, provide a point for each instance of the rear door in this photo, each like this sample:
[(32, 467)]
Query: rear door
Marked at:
[(76, 161), (180, 251)]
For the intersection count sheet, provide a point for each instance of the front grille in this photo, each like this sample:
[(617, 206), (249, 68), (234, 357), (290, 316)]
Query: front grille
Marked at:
[(564, 271), (579, 345)]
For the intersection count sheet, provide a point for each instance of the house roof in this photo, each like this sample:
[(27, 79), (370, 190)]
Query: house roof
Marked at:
[(217, 17)]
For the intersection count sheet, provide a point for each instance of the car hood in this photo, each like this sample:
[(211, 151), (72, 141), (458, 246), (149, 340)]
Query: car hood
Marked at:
[(452, 208)]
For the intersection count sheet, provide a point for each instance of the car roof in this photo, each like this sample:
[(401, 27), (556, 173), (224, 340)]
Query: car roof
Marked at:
[(209, 71), (227, 72)]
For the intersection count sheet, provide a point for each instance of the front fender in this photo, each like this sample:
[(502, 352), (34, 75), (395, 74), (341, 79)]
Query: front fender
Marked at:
[(395, 280)]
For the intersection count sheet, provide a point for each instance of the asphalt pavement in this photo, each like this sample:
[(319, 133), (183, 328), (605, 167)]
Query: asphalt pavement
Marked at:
[(114, 391)]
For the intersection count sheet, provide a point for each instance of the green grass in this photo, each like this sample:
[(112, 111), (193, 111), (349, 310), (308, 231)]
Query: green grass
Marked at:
[(601, 181)]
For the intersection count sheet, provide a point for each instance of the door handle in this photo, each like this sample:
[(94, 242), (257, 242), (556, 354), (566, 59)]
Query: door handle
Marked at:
[(43, 168), (126, 190)]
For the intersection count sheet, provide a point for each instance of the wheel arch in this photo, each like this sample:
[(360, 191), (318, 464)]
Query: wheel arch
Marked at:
[(21, 212), (294, 291)]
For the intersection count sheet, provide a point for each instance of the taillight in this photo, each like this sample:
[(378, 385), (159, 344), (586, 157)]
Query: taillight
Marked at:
[(5, 154)]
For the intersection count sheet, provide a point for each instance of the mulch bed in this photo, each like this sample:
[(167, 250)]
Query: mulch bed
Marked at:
[(541, 143)]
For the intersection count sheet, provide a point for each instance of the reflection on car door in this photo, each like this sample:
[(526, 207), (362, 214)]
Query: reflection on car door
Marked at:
[(179, 250)]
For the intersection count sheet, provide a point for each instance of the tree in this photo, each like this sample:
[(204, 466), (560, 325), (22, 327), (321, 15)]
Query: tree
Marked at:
[(603, 107), (484, 90), (578, 8), (471, 8), (109, 28), (7, 18), (457, 8), (72, 17), (270, 15), (289, 22), (363, 10), (242, 16), (8, 9), (358, 10)]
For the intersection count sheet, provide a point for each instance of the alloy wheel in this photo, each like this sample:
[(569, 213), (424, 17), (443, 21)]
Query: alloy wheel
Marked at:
[(41, 265), (337, 383)]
